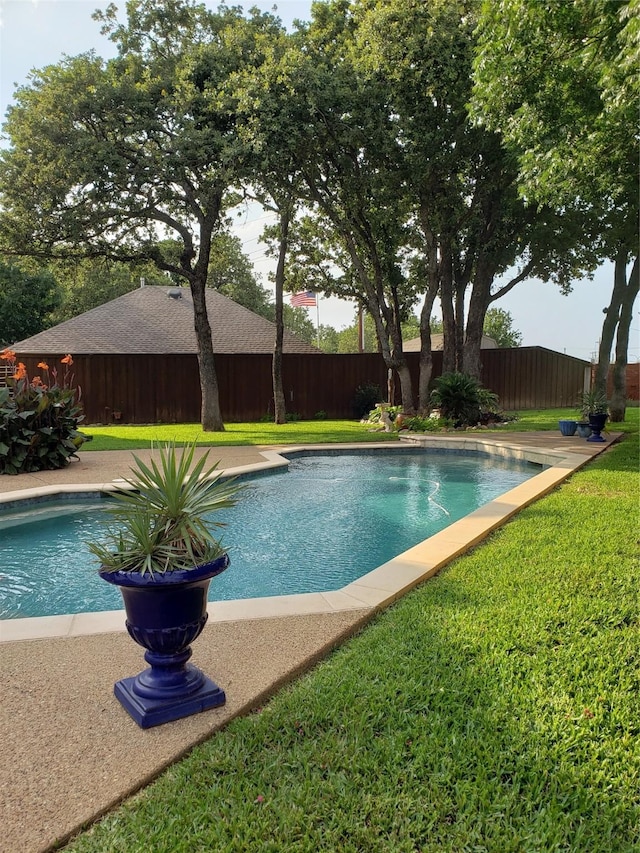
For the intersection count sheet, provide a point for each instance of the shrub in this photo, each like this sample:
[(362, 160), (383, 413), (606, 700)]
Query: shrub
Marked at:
[(38, 419), (375, 415), (462, 399), (420, 424), (365, 399)]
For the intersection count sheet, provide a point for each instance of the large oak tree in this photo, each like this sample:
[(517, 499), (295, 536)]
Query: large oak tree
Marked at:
[(334, 127), (109, 158), (560, 82), (405, 194), (470, 225)]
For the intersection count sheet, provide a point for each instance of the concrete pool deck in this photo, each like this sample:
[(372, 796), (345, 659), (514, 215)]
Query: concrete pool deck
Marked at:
[(70, 752)]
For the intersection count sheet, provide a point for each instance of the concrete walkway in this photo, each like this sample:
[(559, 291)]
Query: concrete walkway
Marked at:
[(69, 752)]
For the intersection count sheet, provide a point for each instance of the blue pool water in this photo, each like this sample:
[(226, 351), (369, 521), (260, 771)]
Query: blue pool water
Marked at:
[(327, 521)]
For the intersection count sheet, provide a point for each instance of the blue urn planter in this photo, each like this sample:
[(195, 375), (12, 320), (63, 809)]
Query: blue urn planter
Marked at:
[(165, 614), (568, 427), (597, 422)]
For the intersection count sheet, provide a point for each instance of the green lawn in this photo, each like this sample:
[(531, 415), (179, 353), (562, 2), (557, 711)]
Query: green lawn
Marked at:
[(298, 432), (493, 709)]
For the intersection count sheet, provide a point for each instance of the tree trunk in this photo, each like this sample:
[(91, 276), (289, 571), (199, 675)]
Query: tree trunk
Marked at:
[(391, 351), (424, 380), (448, 313), (386, 318), (396, 360), (611, 321), (617, 406), (210, 414), (397, 352), (426, 357), (478, 305), (433, 285), (279, 403), (459, 326), (472, 364), (406, 391)]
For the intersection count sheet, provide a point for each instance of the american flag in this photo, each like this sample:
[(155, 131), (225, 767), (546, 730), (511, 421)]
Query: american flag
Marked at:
[(304, 299)]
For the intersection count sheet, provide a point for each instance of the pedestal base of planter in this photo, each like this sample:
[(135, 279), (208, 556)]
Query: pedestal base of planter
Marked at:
[(597, 422), (150, 711)]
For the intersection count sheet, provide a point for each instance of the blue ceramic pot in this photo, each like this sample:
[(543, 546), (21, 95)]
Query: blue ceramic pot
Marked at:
[(165, 614), (568, 427)]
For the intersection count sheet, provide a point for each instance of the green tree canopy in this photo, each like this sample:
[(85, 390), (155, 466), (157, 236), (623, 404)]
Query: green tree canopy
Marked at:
[(87, 283), (231, 272), (498, 324), (406, 196), (143, 148), (332, 125), (27, 301), (471, 225), (560, 81)]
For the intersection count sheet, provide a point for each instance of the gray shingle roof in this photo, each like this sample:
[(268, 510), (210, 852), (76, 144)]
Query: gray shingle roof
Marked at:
[(148, 320), (437, 343)]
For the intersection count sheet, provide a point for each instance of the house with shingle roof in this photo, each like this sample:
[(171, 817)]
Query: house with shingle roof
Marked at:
[(135, 357), (159, 320), (437, 343)]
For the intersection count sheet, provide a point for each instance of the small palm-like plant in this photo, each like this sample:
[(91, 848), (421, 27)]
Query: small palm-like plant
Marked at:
[(461, 398), (160, 524), (593, 403)]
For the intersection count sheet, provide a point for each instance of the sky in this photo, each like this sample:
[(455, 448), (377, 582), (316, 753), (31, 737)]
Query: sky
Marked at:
[(36, 33)]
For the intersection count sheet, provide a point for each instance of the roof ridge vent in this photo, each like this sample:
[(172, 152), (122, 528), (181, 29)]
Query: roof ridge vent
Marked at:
[(175, 293)]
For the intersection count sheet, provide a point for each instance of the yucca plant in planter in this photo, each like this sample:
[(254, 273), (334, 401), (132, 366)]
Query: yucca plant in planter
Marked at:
[(594, 407), (162, 553)]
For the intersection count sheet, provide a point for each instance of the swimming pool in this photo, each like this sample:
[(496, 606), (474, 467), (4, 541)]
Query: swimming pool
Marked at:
[(328, 520)]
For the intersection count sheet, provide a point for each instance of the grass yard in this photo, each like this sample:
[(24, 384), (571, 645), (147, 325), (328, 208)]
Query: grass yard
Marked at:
[(493, 709), (298, 432)]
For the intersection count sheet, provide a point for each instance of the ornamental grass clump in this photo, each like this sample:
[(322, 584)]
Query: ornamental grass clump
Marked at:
[(39, 418), (159, 520)]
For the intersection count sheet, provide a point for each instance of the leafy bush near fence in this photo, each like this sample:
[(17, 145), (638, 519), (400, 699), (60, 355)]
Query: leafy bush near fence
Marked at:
[(39, 418), (365, 399), (376, 415), (462, 399), (417, 423)]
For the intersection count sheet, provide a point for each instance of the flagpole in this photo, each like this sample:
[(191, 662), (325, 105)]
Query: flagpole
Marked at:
[(318, 319)]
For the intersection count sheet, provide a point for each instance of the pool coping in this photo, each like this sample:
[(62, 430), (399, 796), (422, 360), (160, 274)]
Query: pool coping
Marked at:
[(374, 590)]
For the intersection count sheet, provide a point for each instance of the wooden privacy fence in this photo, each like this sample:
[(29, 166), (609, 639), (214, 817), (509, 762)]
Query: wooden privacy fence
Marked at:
[(140, 389)]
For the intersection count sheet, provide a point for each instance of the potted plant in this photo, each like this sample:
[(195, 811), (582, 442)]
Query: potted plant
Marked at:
[(568, 427), (583, 428), (162, 553), (594, 407)]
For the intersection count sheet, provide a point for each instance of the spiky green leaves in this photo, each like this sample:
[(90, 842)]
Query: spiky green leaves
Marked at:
[(161, 519)]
